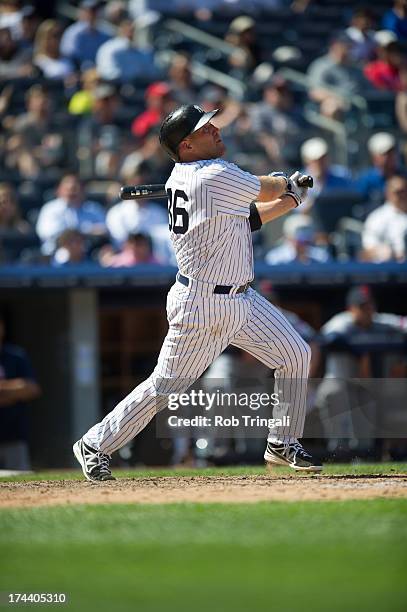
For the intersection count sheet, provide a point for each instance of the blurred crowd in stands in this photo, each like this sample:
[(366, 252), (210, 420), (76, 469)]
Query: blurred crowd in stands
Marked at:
[(312, 85)]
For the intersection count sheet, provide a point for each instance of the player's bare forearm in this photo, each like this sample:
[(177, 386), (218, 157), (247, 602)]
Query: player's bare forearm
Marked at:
[(271, 187), (269, 211)]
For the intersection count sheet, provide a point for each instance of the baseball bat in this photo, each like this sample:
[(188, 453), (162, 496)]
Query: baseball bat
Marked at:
[(140, 192)]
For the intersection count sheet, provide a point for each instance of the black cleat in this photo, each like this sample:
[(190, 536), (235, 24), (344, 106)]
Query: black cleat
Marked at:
[(292, 455), (95, 465)]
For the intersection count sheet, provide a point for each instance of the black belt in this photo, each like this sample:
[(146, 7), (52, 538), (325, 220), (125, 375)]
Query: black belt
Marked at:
[(222, 289)]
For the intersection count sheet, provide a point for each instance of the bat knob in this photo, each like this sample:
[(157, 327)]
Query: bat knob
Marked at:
[(306, 181)]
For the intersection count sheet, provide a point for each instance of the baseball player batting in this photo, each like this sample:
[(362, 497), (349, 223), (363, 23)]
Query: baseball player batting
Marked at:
[(213, 206)]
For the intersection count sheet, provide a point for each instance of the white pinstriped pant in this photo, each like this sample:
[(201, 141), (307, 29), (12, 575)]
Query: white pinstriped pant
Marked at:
[(201, 326)]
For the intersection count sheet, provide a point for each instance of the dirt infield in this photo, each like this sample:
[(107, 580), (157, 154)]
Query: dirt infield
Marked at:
[(170, 489)]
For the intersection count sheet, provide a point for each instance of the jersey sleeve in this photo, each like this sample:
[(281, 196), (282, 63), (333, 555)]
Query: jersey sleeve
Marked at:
[(230, 189)]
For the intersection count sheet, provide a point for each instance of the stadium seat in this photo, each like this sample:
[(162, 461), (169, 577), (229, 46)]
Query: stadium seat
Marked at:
[(330, 208), (347, 239), (381, 109), (13, 244)]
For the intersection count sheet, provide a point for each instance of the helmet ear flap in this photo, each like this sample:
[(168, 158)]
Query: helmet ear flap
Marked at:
[(173, 154)]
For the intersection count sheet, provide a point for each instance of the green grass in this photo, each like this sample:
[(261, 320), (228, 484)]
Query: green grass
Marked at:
[(289, 557), (305, 557), (332, 469)]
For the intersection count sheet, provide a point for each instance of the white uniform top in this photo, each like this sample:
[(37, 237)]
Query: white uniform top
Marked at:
[(209, 206)]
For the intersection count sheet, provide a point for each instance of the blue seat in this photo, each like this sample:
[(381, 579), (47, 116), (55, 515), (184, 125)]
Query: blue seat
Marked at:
[(330, 208), (14, 243)]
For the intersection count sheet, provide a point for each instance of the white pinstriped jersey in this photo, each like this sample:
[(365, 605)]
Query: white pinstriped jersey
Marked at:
[(209, 206)]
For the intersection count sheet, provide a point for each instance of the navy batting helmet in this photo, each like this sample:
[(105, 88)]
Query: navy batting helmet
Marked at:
[(181, 123)]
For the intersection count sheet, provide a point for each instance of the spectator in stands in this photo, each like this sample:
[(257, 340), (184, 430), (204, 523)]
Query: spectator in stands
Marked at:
[(333, 78), (134, 216), (395, 19), (327, 177), (70, 210), (38, 115), (245, 146), (401, 107), (145, 216), (298, 244), (11, 221), (242, 34), (82, 101), (114, 12), (180, 79), (385, 72), (159, 102), (16, 235), (71, 248), (120, 59), (152, 152), (212, 97), (341, 319), (37, 144), (29, 26), (103, 134), (17, 387), (14, 60), (137, 249), (385, 230), (6, 95), (384, 163), (279, 123), (362, 36), (47, 55), (82, 40), (357, 345), (11, 16), (385, 37), (105, 107)]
